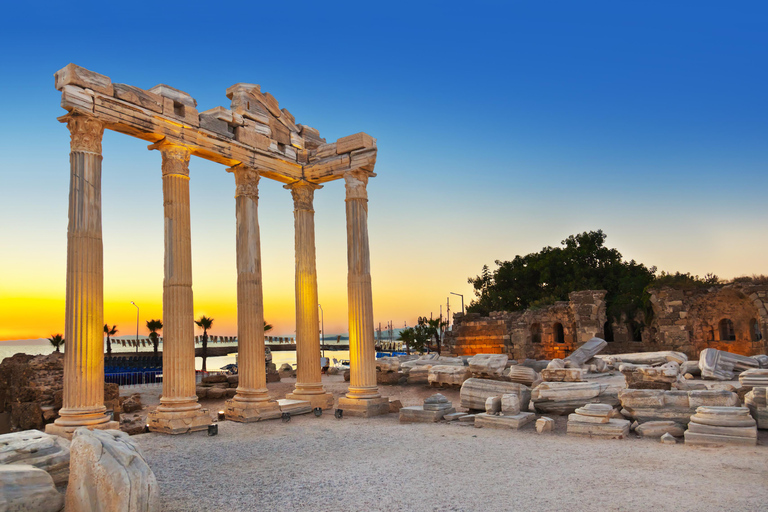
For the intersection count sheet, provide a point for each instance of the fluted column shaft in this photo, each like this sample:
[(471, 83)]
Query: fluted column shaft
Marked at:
[(178, 313), (83, 398), (362, 349), (250, 298), (308, 378)]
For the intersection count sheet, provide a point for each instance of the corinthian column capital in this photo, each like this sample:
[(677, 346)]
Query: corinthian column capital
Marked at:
[(175, 157), (85, 132), (357, 184), (303, 193), (246, 180)]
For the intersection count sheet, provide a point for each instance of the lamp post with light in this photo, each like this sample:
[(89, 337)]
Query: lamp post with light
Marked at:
[(137, 327)]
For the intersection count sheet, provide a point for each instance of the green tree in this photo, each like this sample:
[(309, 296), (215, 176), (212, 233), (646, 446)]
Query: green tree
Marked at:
[(435, 329), (153, 326), (582, 263), (407, 337), (205, 323), (109, 332), (57, 340), (267, 327)]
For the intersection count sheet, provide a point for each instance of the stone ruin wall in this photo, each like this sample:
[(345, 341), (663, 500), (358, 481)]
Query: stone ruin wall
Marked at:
[(689, 320), (683, 320), (581, 318)]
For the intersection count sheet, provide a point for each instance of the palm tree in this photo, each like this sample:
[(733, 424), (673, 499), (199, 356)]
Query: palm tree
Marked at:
[(109, 332), (205, 323), (153, 326), (407, 336), (436, 327), (56, 340), (267, 327)]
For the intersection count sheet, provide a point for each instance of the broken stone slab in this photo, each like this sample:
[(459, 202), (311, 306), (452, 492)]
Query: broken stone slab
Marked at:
[(108, 473), (691, 367), (668, 439), (614, 429), (474, 393), (649, 358), (754, 377), (545, 424), (488, 365), (757, 402), (510, 404), (513, 422), (436, 402), (646, 405), (565, 397), (417, 414), (469, 418), (720, 365), (33, 447), (294, 407), (448, 375), (563, 374), (388, 364), (454, 416), (26, 488), (721, 426), (556, 364), (585, 352), (762, 360), (72, 74), (660, 428), (522, 375), (535, 365), (417, 375), (493, 405)]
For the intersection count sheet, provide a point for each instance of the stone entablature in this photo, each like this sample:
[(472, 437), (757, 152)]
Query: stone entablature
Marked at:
[(254, 131)]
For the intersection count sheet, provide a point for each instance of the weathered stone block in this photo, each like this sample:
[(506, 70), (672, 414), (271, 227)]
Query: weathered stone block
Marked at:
[(72, 74)]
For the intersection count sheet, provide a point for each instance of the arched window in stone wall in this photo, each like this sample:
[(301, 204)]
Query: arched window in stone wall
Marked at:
[(608, 331), (559, 333), (536, 333), (754, 330), (635, 331), (726, 330)]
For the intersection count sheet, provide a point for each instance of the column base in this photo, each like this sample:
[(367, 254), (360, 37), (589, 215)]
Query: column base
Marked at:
[(321, 400), (247, 412), (66, 431), (178, 422), (364, 408)]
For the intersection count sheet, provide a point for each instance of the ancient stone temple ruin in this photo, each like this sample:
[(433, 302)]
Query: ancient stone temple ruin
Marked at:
[(253, 139), (730, 317)]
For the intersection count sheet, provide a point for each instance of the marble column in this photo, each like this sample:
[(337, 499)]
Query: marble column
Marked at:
[(363, 398), (83, 398), (308, 376), (178, 411), (252, 402)]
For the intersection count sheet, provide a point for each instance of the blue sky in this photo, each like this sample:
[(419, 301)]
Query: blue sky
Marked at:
[(502, 127)]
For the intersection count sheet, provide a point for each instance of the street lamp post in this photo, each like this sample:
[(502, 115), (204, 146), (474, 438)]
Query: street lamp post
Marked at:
[(322, 326), (462, 301), (137, 326)]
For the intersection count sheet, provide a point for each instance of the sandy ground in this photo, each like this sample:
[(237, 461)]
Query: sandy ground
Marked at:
[(378, 464)]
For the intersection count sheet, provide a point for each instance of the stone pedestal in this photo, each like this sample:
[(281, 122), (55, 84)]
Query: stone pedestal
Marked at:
[(362, 349), (178, 411), (364, 407), (251, 403), (247, 412), (83, 398), (308, 376)]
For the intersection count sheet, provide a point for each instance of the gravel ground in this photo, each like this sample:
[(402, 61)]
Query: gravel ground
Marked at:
[(377, 464)]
